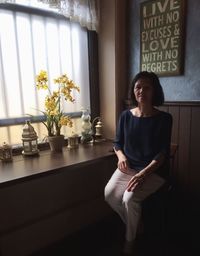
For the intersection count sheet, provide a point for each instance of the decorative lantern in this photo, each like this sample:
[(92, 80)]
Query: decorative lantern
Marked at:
[(98, 131), (29, 140), (6, 152)]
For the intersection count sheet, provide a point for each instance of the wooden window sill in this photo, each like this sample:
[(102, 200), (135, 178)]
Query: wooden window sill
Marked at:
[(46, 163)]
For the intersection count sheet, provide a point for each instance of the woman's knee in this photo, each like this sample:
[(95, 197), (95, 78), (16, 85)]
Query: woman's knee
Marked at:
[(114, 190), (108, 193), (110, 196), (130, 200), (132, 206)]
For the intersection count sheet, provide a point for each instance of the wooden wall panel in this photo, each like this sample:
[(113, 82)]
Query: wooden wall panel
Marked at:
[(194, 175), (184, 143), (175, 112), (164, 108), (186, 133)]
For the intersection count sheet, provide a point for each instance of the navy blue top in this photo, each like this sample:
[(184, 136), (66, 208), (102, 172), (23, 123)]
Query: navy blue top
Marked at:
[(143, 139)]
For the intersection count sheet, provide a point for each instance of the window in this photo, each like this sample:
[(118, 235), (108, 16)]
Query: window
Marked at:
[(31, 40)]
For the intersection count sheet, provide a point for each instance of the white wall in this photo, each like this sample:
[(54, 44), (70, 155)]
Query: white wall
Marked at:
[(112, 62), (107, 66)]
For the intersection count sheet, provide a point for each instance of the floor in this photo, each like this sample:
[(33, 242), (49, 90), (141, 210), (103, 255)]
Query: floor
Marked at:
[(106, 238)]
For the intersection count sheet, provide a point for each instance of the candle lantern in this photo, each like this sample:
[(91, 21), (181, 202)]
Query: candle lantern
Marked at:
[(6, 152), (98, 130), (29, 140)]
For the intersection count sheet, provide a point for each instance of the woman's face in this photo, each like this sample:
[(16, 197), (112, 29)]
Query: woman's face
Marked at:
[(143, 91)]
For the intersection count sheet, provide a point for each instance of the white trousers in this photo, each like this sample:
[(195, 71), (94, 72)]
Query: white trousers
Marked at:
[(128, 204)]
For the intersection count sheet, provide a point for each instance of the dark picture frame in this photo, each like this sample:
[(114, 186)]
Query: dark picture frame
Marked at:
[(162, 34)]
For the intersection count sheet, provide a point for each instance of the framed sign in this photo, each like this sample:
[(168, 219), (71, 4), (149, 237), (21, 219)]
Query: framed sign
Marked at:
[(162, 36)]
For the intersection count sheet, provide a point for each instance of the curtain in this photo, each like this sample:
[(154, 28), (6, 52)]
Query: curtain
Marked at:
[(86, 12), (30, 42)]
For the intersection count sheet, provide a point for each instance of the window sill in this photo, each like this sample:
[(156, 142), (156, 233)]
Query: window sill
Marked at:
[(24, 168), (42, 145)]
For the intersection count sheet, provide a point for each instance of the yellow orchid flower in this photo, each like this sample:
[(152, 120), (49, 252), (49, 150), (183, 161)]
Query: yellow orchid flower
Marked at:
[(55, 117)]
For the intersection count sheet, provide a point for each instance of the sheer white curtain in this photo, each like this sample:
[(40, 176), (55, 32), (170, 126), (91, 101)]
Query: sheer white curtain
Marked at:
[(83, 11), (29, 43), (86, 12)]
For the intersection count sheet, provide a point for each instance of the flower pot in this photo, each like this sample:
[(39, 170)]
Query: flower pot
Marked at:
[(56, 143)]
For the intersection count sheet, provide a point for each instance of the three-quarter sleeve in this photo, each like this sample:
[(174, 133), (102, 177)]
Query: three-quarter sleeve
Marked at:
[(119, 137)]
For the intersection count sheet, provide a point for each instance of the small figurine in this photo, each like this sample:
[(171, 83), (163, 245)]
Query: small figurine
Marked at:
[(6, 152), (86, 134)]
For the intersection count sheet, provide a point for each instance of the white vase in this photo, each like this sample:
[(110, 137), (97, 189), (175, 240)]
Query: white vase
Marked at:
[(56, 143)]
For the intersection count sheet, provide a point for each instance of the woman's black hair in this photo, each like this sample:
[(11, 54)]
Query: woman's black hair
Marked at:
[(158, 95)]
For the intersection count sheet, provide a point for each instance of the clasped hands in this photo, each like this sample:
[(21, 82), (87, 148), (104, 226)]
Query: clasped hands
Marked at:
[(136, 180)]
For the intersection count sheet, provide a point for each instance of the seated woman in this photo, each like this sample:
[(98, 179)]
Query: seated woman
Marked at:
[(142, 146)]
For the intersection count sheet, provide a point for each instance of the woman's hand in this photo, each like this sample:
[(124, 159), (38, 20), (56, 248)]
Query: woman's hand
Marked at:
[(122, 160), (122, 163), (136, 180)]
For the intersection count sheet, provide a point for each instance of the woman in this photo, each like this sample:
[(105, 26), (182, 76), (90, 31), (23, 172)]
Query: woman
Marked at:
[(142, 146)]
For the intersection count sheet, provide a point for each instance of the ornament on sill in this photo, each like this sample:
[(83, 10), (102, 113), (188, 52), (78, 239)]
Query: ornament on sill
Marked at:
[(73, 141), (98, 130), (86, 133), (6, 152), (29, 140)]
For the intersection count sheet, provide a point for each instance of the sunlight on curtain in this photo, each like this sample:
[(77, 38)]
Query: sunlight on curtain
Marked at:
[(10, 64), (29, 43), (40, 55), (26, 65), (3, 110)]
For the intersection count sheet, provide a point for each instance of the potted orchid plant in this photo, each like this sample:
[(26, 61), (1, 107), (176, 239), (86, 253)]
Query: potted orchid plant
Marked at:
[(55, 116)]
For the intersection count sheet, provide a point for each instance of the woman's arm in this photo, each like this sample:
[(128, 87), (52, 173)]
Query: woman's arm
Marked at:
[(119, 145)]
